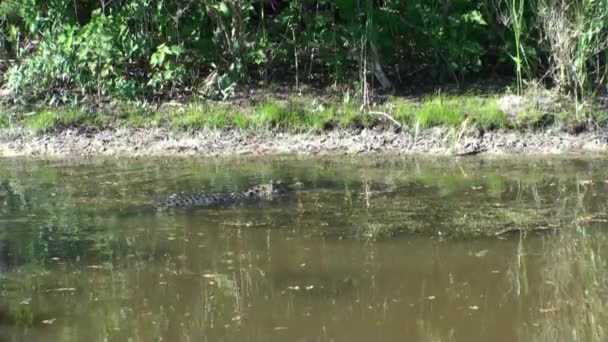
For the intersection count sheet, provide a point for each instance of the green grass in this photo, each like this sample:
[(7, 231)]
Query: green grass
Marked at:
[(308, 115), (75, 117), (194, 117), (42, 121), (325, 118), (144, 120), (440, 111), (600, 117), (293, 115), (72, 118), (296, 115), (127, 115), (201, 115), (452, 111), (46, 120), (405, 111), (4, 122), (485, 112), (268, 115), (349, 116), (348, 113), (240, 120), (530, 117)]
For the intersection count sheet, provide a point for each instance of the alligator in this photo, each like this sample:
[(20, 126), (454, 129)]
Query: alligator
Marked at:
[(261, 192)]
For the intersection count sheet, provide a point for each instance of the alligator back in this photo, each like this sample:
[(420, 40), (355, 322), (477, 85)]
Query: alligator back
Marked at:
[(200, 199), (260, 192)]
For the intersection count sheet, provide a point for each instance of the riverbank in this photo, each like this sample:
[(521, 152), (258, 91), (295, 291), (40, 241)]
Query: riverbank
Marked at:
[(261, 124), (158, 142)]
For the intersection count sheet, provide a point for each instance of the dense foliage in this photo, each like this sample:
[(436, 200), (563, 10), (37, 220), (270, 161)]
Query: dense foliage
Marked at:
[(64, 50)]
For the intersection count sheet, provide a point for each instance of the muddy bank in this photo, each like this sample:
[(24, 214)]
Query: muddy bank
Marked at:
[(164, 142)]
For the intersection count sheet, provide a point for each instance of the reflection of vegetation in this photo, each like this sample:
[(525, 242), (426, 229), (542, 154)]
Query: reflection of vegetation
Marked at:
[(16, 315), (574, 287), (429, 334), (226, 286)]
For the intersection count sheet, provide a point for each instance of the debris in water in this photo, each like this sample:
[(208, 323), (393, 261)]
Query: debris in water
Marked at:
[(248, 224), (49, 321), (590, 218), (482, 253), (62, 289)]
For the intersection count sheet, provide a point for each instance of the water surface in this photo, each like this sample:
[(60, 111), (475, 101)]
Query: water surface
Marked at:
[(368, 250)]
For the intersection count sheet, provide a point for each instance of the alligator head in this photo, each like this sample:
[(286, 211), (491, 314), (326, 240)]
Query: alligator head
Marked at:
[(270, 190)]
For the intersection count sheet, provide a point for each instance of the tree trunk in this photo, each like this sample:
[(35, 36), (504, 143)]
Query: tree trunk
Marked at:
[(377, 69)]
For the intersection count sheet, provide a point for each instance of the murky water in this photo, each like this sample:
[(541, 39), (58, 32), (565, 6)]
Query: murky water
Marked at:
[(367, 250)]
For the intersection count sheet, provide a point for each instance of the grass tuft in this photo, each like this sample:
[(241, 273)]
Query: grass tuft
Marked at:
[(240, 120), (133, 115), (72, 118), (405, 112), (530, 117), (196, 116), (41, 122), (323, 118), (299, 117), (452, 111), (485, 112), (440, 110), (293, 115), (4, 123), (268, 115), (600, 117), (349, 115)]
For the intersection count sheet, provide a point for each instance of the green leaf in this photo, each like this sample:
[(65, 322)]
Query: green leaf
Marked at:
[(155, 60), (475, 17), (223, 9), (13, 32), (176, 50), (158, 58)]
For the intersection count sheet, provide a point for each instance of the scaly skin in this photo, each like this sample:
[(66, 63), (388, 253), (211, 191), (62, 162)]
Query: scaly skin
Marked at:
[(261, 192)]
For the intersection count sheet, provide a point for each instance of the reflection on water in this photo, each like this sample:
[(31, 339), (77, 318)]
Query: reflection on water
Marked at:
[(417, 250)]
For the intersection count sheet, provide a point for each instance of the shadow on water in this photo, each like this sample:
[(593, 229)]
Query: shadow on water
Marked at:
[(387, 249)]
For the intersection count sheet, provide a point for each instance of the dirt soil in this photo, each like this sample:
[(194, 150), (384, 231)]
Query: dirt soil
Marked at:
[(164, 142)]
